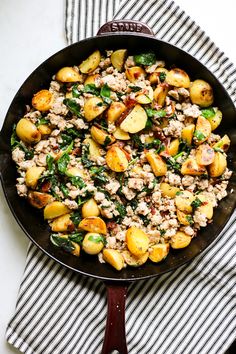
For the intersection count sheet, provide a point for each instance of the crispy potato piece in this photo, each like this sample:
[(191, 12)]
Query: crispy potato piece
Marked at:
[(215, 120), (134, 73), (158, 165), (76, 251), (159, 252), (218, 166), (32, 176), (101, 136), (223, 143), (137, 241), (91, 79), (154, 77), (91, 63), (191, 167), (114, 258), (39, 200), (203, 130), (68, 74), (135, 121), (180, 240), (205, 155), (94, 148), (116, 159), (93, 224), (133, 261), (183, 201), (93, 107), (145, 98), (121, 134), (187, 134), (42, 100), (27, 131), (206, 208), (201, 93), (114, 111), (92, 243), (90, 208), (55, 209), (173, 148), (44, 129), (62, 223), (168, 191), (178, 78), (183, 217), (75, 172), (118, 58), (160, 93)]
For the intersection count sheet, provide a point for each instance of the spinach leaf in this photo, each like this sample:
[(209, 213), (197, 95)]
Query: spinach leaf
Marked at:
[(196, 203), (162, 232), (75, 92), (121, 210), (62, 242), (91, 88), (103, 124), (81, 200), (184, 147), (64, 190), (149, 124), (73, 106), (189, 218), (77, 182), (153, 113), (105, 93), (76, 217), (97, 238), (145, 219), (171, 162), (162, 76), (107, 141), (50, 164), (145, 59), (42, 120), (97, 175), (135, 88), (208, 112), (62, 163), (199, 135), (85, 156), (77, 237)]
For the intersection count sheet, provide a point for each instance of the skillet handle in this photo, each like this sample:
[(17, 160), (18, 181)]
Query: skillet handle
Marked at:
[(115, 337), (125, 26)]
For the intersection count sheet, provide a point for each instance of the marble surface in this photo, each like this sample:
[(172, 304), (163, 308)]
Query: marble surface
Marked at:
[(30, 31)]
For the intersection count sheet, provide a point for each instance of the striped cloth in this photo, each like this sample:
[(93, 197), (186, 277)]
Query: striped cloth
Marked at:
[(188, 311)]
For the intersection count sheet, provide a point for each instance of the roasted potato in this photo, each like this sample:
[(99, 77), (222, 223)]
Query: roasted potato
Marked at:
[(121, 134), (173, 147), (62, 223), (160, 93), (44, 129), (68, 74), (93, 107), (154, 77), (191, 167), (178, 78), (135, 121), (159, 252), (202, 131), (187, 134), (27, 131), (101, 136), (183, 201), (32, 176), (168, 191), (215, 120), (39, 200), (158, 165), (180, 240), (90, 208), (145, 98), (218, 166), (134, 73), (55, 209), (114, 258), (92, 243), (116, 159), (91, 63), (93, 224), (118, 58), (137, 241), (206, 208), (94, 148), (183, 218), (42, 100), (223, 143), (91, 79), (114, 111), (133, 261), (201, 93), (204, 155), (75, 172), (76, 250)]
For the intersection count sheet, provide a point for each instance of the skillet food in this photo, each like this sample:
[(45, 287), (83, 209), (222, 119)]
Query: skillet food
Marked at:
[(121, 155)]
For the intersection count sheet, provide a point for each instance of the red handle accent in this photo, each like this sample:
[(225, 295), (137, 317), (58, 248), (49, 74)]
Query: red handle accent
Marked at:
[(115, 337), (125, 26)]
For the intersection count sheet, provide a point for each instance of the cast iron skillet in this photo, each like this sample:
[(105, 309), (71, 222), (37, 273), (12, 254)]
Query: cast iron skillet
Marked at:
[(136, 37)]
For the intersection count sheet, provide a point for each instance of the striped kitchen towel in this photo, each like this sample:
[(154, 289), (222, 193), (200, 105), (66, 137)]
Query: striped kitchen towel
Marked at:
[(189, 311)]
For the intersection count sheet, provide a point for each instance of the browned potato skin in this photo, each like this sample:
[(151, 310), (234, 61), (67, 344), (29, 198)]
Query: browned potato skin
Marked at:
[(39, 200), (178, 78), (118, 58), (114, 111), (91, 63), (191, 167), (218, 166), (100, 136), (160, 93), (158, 165), (134, 73), (42, 100), (62, 223), (27, 131), (91, 79), (93, 224), (201, 93), (223, 143), (180, 240), (68, 74), (116, 159), (205, 155), (154, 78)]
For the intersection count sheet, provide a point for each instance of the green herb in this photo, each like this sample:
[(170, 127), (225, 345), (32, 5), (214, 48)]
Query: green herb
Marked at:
[(107, 141), (179, 193), (153, 113), (97, 175), (145, 59), (75, 92), (133, 161), (50, 164), (64, 190), (62, 163), (85, 156), (199, 135), (196, 203), (149, 124), (77, 237), (42, 120), (91, 88), (121, 210), (77, 182), (217, 149), (145, 219), (73, 106), (103, 124), (162, 232), (155, 144), (69, 135), (162, 76), (97, 239), (76, 217), (29, 154), (183, 146), (81, 200), (189, 219), (62, 242), (208, 112), (171, 162), (135, 88), (105, 93)]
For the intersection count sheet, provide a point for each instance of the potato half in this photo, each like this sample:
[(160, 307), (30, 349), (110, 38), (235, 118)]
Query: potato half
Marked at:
[(135, 121), (91, 63)]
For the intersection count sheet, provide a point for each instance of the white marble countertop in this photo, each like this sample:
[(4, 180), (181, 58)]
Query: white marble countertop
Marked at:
[(30, 31)]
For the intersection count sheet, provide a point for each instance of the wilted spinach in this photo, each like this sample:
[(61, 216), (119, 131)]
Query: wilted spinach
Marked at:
[(145, 59)]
